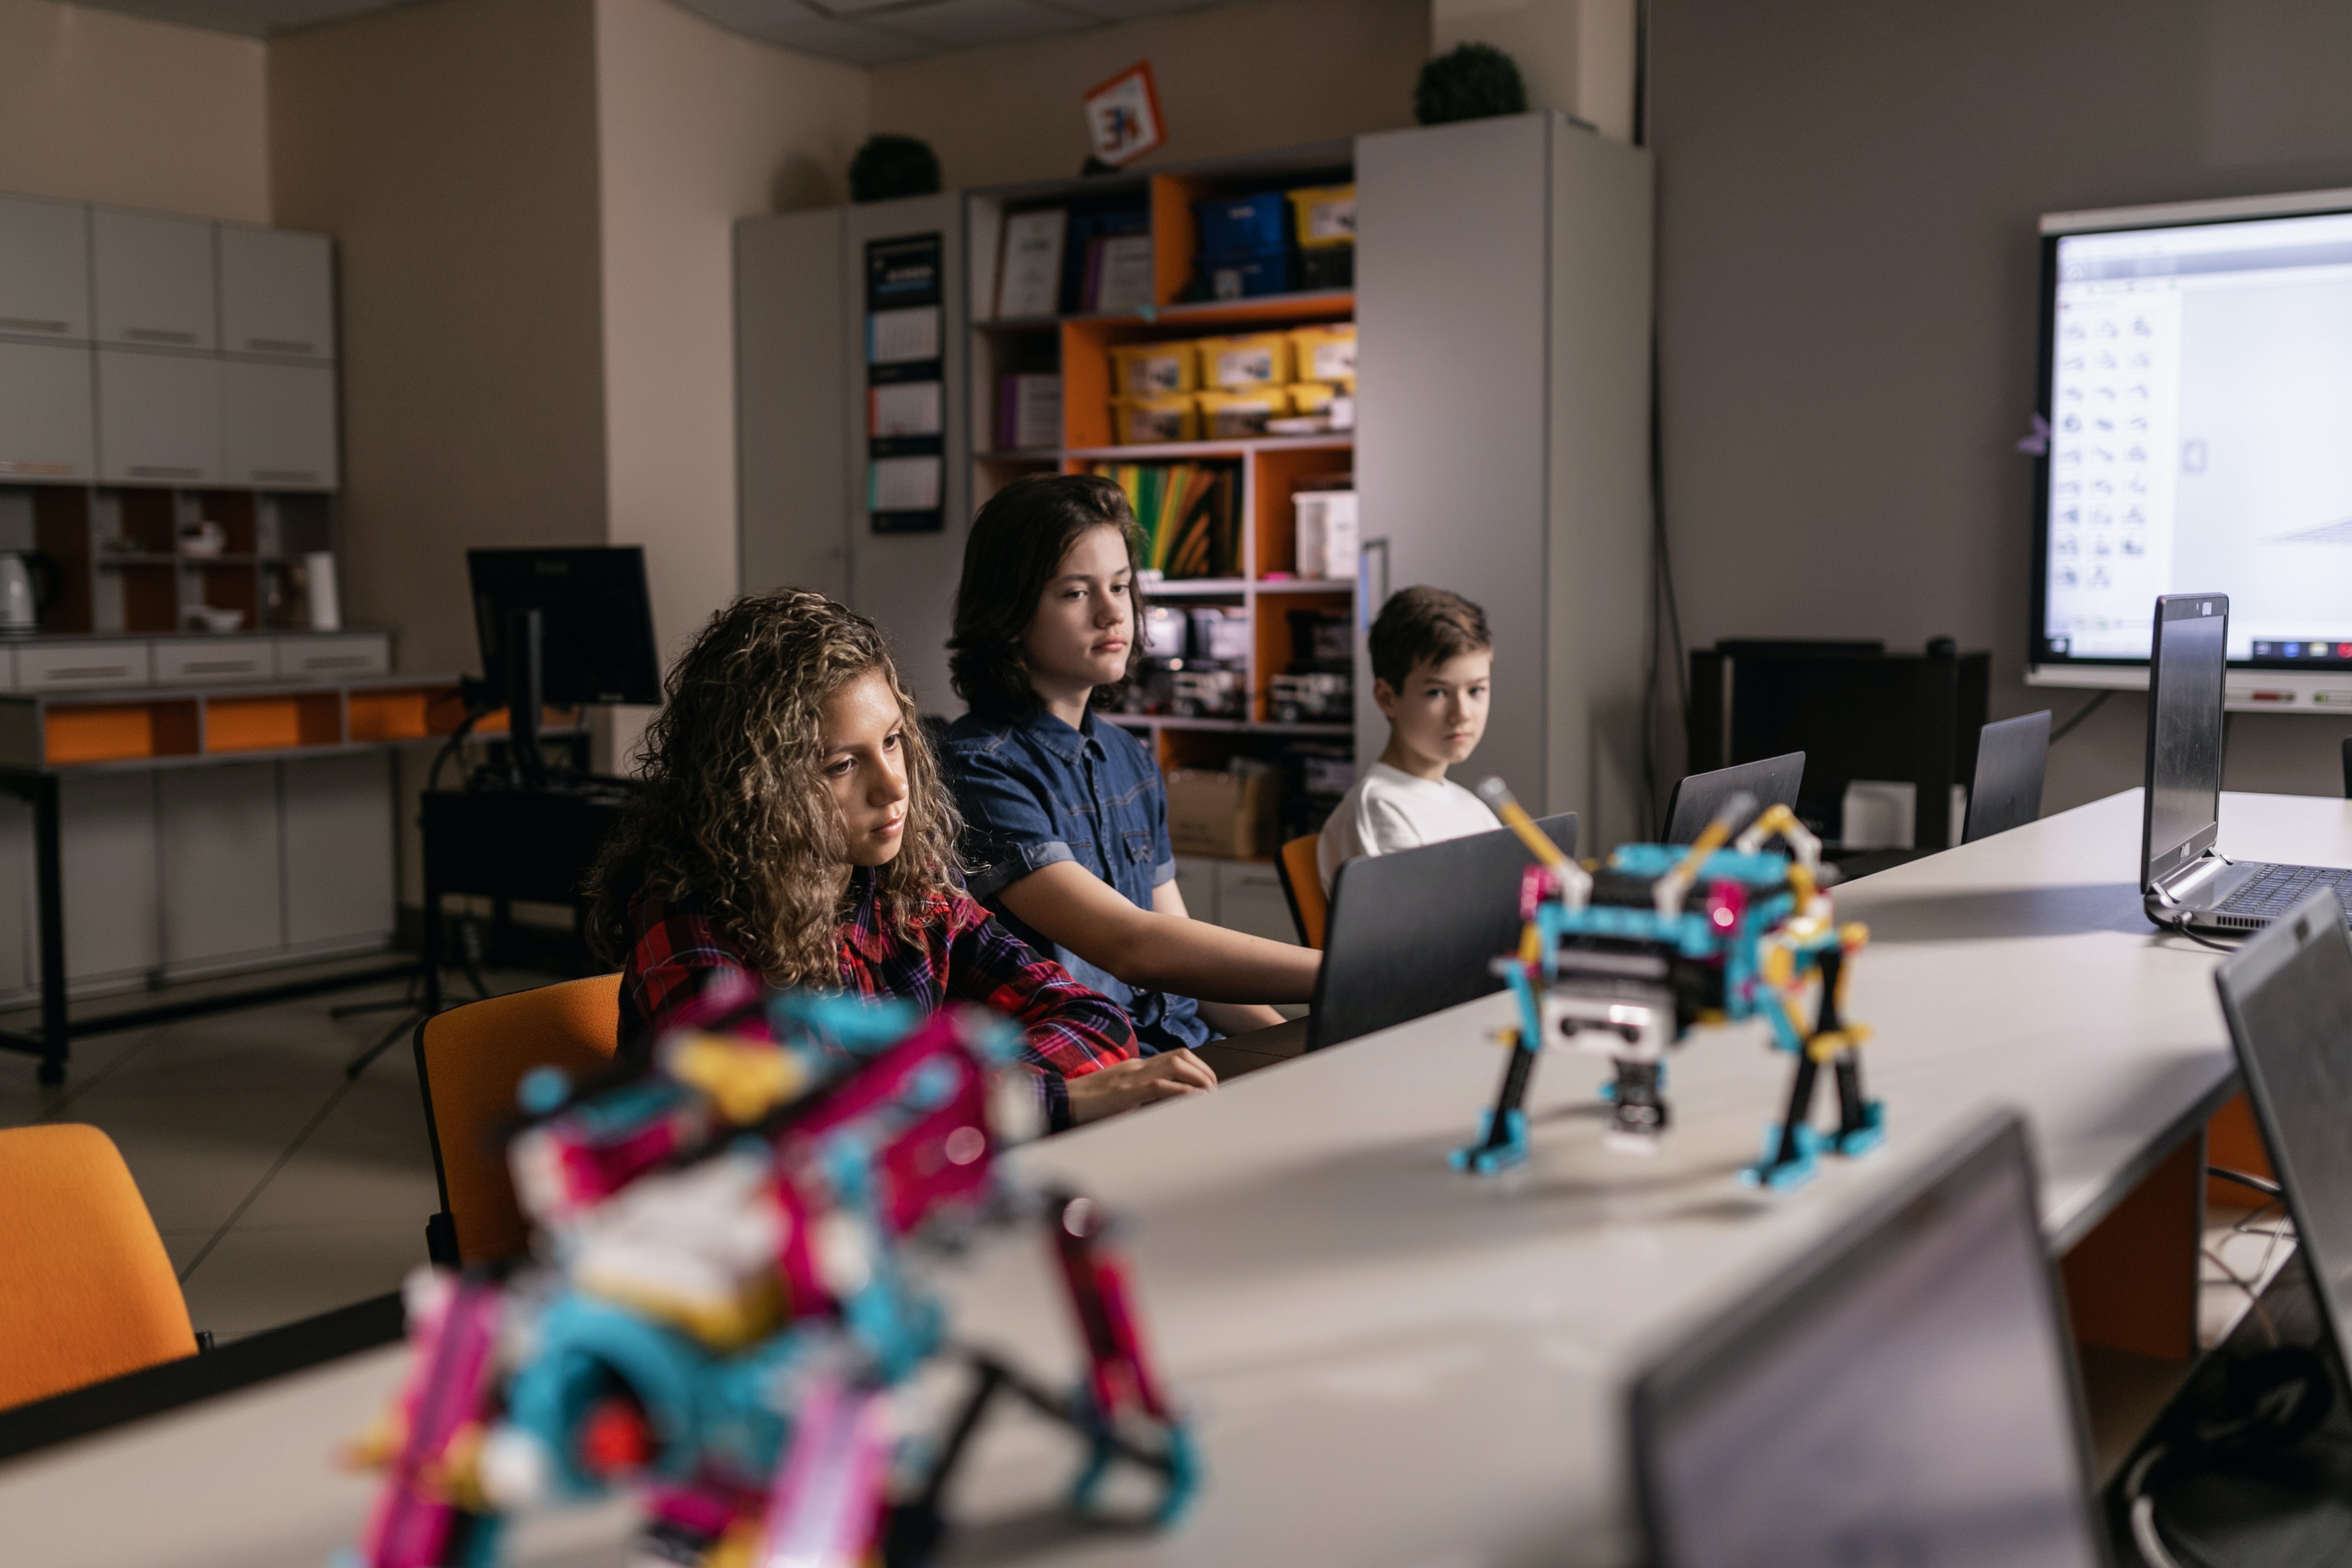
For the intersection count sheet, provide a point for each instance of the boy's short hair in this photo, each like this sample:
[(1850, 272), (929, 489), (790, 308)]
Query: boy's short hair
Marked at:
[(1425, 626)]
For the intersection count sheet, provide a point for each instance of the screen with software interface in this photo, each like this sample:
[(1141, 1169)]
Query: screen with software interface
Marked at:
[(2199, 392), (1922, 1414)]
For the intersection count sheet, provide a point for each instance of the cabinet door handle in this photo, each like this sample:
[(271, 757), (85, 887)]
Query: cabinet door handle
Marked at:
[(46, 470), (24, 324), (149, 471), (285, 476), (276, 346), (157, 335)]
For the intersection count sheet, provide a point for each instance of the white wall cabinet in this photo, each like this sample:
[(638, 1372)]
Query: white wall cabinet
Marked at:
[(277, 425), (1502, 415), (107, 842), (159, 417), (276, 292), (339, 850), (46, 430), (43, 269), (153, 279)]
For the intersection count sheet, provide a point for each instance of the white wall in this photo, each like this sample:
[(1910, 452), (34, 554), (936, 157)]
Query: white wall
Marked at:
[(696, 127), (100, 107)]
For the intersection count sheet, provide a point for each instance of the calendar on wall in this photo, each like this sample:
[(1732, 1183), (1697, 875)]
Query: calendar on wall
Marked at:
[(906, 412)]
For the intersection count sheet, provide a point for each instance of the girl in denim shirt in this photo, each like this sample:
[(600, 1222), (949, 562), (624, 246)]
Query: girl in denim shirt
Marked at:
[(1067, 814)]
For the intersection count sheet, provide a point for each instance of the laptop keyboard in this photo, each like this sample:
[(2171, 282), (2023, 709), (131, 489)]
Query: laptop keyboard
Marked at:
[(2280, 888)]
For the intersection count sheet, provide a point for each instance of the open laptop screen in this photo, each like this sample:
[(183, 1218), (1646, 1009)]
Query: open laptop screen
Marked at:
[(2288, 997), (2184, 731), (1902, 1396)]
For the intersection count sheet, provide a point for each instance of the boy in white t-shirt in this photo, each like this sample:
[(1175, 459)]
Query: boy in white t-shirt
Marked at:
[(1433, 660)]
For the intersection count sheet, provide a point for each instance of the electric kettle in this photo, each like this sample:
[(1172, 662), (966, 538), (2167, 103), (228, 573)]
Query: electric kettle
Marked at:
[(29, 580)]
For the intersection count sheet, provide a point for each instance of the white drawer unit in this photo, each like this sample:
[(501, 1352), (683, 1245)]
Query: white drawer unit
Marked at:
[(333, 658), (277, 425), (204, 661), (159, 418), (77, 666), (46, 434), (43, 269), (277, 292), (152, 279)]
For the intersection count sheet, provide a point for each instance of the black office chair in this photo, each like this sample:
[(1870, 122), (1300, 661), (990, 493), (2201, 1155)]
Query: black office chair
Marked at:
[(1415, 932), (1697, 797), (2348, 767), (2011, 758)]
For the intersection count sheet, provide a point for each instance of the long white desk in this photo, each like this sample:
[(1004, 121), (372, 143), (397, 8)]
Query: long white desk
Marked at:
[(1392, 1364)]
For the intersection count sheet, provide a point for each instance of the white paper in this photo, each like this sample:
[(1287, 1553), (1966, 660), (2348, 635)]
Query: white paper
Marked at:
[(1030, 283), (1126, 281), (903, 337), (903, 484), (905, 408)]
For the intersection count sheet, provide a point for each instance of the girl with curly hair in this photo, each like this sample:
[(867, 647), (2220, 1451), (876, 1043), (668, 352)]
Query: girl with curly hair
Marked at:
[(1067, 814), (793, 830)]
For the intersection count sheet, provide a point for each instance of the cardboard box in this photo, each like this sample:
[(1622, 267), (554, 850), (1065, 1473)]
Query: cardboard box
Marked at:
[(1229, 815)]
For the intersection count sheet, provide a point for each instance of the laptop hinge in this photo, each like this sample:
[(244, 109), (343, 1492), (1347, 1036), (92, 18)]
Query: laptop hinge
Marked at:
[(2174, 888)]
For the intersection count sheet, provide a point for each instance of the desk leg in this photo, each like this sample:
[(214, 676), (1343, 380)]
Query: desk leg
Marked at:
[(2131, 1284), (49, 893)]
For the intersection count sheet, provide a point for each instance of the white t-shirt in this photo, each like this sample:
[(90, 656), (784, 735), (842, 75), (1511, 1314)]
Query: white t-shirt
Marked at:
[(1389, 809)]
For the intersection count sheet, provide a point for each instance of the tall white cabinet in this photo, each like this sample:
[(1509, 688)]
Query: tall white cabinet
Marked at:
[(1503, 303), (801, 427)]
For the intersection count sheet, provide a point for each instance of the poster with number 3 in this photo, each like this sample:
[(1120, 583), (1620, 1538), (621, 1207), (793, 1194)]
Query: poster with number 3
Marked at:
[(1123, 115)]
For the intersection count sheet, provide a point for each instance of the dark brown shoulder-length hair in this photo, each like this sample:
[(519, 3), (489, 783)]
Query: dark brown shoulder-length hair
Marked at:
[(1017, 545), (734, 817)]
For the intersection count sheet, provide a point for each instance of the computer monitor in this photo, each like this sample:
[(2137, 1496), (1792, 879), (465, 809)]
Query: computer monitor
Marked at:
[(596, 620), (1903, 1393), (2181, 811), (2287, 996)]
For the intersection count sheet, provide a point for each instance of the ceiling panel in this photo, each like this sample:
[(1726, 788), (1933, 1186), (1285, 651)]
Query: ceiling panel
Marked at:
[(968, 24), (1127, 10), (790, 25)]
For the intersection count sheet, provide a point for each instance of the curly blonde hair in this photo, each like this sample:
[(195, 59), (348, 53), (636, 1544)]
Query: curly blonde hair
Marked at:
[(734, 818)]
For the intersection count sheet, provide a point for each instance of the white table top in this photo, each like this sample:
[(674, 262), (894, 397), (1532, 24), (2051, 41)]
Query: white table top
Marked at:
[(1391, 1363)]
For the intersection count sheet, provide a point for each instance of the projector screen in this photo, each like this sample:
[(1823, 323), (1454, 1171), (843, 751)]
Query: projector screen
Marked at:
[(2196, 378)]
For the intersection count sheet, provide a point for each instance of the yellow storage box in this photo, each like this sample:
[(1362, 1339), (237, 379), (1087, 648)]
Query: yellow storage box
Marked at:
[(1152, 370), (1324, 215), (1171, 416), (1311, 396), (1326, 352), (1236, 415), (1246, 362)]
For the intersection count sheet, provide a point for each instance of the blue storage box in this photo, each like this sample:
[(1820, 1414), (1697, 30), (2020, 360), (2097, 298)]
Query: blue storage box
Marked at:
[(1233, 225), (1250, 273)]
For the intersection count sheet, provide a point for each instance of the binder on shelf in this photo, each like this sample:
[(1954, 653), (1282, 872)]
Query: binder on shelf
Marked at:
[(1029, 278)]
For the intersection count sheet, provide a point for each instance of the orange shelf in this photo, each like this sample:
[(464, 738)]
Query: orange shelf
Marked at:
[(119, 732), (403, 715), (274, 724)]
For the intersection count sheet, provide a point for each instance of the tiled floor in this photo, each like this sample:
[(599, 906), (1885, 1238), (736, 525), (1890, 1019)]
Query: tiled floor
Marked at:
[(281, 1188)]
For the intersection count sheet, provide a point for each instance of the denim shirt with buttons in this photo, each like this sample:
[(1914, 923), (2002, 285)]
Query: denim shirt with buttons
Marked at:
[(1034, 791)]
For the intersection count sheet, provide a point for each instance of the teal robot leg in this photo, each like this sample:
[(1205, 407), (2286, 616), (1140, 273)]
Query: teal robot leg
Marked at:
[(1503, 1132)]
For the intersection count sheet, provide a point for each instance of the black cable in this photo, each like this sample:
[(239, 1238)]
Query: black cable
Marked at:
[(2181, 924), (2084, 711), (1642, 73)]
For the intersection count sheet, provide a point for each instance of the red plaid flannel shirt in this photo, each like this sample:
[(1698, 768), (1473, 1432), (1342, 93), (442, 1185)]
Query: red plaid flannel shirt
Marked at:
[(678, 967)]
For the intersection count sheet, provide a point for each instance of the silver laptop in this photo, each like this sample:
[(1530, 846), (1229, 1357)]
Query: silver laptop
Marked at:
[(2186, 882), (1904, 1393)]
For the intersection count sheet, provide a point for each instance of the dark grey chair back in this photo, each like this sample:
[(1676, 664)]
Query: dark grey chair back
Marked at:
[(2012, 759), (1413, 934), (1773, 782)]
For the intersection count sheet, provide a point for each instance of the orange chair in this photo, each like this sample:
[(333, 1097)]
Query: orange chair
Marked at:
[(1302, 885), (470, 1060), (87, 1291)]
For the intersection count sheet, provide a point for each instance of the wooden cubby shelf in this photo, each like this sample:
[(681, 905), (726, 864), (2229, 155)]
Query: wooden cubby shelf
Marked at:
[(161, 729)]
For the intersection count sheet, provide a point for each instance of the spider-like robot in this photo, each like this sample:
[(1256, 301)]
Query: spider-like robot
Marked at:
[(726, 1299), (1624, 962)]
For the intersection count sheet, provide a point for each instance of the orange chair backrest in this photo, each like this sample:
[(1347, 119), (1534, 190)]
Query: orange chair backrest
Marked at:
[(1303, 880), (87, 1291), (472, 1059)]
